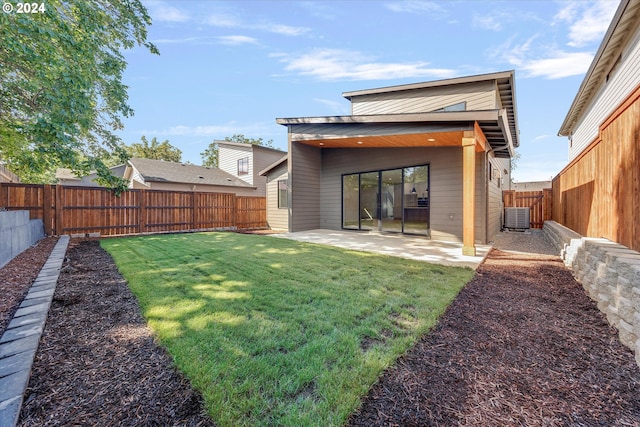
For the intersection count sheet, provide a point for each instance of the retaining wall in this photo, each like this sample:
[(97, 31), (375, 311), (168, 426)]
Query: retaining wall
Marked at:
[(609, 273), (17, 233)]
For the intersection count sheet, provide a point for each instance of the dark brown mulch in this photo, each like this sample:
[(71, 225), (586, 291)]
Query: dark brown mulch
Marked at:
[(17, 276), (522, 344), (97, 363)]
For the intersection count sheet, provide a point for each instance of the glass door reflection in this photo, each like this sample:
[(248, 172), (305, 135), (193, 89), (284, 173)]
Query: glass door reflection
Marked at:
[(369, 201), (416, 211)]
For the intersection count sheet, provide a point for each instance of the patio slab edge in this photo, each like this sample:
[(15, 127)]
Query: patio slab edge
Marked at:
[(19, 343)]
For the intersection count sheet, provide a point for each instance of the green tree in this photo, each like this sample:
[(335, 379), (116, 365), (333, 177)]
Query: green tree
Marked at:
[(61, 84), (210, 154), (155, 150)]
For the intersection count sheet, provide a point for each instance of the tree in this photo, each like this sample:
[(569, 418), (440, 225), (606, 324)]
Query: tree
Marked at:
[(156, 150), (61, 84), (210, 154)]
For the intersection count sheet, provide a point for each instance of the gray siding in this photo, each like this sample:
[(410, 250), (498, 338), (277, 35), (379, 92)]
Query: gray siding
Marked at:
[(228, 156), (262, 158), (478, 96), (277, 218), (613, 93), (495, 187), (304, 180), (446, 184)]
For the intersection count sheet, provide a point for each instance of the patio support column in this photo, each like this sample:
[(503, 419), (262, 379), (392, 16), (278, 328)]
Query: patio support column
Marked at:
[(468, 193)]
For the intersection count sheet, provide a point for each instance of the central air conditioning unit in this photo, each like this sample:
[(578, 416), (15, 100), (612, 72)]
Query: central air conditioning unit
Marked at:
[(517, 218)]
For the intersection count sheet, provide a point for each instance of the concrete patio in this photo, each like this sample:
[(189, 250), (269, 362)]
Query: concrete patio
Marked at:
[(400, 245)]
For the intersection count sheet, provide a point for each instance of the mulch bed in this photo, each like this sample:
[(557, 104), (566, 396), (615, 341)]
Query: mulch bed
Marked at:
[(97, 363), (521, 345)]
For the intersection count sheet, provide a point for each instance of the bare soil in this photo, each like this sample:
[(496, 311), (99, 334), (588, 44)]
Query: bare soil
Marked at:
[(522, 344)]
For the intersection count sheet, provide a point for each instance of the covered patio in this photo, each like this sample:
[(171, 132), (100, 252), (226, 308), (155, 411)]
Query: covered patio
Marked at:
[(411, 247)]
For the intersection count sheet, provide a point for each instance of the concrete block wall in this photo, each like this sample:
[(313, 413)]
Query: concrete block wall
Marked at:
[(17, 233), (609, 273)]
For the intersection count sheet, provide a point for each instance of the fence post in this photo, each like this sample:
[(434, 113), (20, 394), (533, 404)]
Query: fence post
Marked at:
[(4, 196), (548, 204), (46, 210), (193, 210), (142, 210)]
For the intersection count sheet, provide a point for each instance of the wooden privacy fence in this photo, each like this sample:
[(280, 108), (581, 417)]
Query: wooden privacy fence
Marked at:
[(539, 203), (88, 210)]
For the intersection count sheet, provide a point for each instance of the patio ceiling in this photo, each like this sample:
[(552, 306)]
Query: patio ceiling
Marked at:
[(435, 139)]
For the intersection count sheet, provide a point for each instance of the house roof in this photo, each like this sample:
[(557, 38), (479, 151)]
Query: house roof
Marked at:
[(161, 171), (500, 126), (274, 165), (623, 25)]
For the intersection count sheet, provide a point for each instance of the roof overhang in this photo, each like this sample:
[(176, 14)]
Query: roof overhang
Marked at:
[(403, 130), (624, 23)]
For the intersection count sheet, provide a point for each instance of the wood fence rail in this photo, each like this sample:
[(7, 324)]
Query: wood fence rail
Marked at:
[(539, 203), (89, 210)]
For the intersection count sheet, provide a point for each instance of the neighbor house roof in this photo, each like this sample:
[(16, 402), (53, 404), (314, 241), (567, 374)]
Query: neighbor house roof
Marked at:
[(624, 23), (161, 171), (500, 126), (274, 165)]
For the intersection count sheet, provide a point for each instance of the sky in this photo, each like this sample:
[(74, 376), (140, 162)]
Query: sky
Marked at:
[(233, 67)]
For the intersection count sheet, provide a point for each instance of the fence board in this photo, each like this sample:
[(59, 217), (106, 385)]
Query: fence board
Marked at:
[(598, 193), (85, 210), (539, 202)]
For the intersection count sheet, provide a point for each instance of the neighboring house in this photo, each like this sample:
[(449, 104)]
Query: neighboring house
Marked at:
[(160, 175), (425, 158), (6, 175), (245, 161), (530, 185), (277, 177), (66, 177), (598, 193)]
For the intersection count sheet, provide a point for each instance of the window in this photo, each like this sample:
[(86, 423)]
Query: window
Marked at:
[(460, 106), (243, 166), (282, 194)]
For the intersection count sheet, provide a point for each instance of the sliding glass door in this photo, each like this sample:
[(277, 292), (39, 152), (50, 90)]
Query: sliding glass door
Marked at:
[(369, 201), (394, 200)]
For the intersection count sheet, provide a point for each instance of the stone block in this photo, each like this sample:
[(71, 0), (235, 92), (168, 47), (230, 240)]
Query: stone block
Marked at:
[(10, 410), (625, 332), (625, 309), (15, 363), (14, 385), (19, 346)]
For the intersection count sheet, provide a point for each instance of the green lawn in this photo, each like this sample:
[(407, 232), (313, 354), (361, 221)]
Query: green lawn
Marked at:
[(277, 332)]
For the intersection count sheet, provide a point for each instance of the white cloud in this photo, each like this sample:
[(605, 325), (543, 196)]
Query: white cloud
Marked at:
[(236, 40), (541, 137), (560, 64), (212, 131), (587, 21), (228, 21), (415, 6), (165, 13), (337, 64), (487, 22)]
